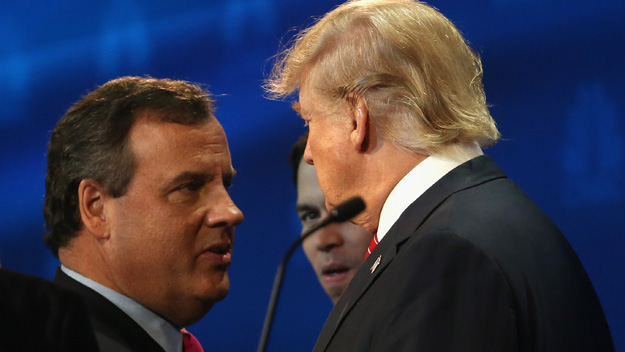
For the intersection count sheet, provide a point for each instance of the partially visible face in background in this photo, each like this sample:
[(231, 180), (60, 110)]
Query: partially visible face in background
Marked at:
[(335, 251)]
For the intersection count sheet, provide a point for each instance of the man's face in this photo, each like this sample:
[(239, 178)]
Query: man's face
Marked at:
[(171, 234), (337, 250), (329, 147)]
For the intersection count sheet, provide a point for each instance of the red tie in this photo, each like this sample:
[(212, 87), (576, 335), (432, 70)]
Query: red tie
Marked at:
[(374, 242), (190, 343)]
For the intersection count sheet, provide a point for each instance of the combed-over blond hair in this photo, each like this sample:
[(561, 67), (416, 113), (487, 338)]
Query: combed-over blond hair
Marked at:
[(421, 81)]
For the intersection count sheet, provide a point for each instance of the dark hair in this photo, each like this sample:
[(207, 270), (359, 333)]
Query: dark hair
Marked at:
[(91, 142), (297, 153)]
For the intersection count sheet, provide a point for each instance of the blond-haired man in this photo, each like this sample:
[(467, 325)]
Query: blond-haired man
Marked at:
[(397, 114)]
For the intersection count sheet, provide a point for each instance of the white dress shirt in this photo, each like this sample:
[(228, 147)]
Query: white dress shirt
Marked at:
[(417, 181)]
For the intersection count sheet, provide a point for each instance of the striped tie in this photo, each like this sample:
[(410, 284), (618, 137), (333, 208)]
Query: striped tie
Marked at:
[(374, 242)]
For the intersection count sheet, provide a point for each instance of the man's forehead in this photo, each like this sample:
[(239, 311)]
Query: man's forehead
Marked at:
[(155, 141), (306, 103)]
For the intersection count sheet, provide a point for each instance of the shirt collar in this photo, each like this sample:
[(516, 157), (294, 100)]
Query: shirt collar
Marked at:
[(164, 333), (417, 181)]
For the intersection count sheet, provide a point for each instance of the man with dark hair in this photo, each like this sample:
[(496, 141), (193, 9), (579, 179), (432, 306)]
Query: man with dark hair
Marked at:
[(138, 210), (336, 251), (462, 259)]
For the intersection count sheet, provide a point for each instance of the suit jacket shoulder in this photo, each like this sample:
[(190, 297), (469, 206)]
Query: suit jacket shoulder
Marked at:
[(472, 265), (114, 329), (36, 315)]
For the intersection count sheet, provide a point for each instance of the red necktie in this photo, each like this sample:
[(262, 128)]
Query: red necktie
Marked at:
[(190, 343), (374, 242)]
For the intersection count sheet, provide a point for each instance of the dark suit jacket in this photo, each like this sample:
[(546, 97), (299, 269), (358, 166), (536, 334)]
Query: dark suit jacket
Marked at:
[(114, 330), (36, 315), (472, 265)]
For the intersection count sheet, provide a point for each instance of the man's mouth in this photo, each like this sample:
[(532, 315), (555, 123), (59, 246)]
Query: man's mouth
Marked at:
[(334, 269), (219, 253), (334, 273), (219, 248)]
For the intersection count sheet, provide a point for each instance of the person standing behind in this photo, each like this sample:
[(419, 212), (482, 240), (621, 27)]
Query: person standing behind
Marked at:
[(397, 114), (138, 210), (336, 251)]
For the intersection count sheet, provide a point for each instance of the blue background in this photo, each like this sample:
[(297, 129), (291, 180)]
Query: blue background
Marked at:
[(554, 73)]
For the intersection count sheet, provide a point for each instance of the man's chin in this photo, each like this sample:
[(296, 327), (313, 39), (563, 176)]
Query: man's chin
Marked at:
[(334, 292), (202, 305), (195, 314), (217, 293)]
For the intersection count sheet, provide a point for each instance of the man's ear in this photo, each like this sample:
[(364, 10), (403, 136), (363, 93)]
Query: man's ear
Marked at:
[(91, 204), (361, 133)]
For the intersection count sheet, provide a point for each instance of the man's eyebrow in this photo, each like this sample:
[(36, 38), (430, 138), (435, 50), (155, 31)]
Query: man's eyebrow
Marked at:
[(189, 175), (228, 177), (303, 207), (297, 107), (202, 176)]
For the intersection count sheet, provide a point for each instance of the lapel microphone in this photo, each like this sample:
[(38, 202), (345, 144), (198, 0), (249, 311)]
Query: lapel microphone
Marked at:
[(340, 213)]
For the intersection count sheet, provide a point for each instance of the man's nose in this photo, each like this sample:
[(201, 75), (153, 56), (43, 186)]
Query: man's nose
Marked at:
[(329, 237), (307, 154), (224, 213)]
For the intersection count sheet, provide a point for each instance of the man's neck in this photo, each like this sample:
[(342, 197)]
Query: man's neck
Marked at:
[(82, 255), (160, 330), (416, 181), (384, 170)]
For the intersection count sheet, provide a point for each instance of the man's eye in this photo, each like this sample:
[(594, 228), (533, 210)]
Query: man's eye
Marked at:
[(309, 216), (190, 187)]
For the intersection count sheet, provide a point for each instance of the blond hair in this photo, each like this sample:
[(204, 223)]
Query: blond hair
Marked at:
[(421, 82)]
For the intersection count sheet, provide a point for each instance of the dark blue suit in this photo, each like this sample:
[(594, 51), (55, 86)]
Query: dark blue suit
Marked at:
[(37, 315), (472, 265)]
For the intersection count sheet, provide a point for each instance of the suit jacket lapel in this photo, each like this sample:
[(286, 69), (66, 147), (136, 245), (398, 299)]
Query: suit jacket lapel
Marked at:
[(474, 172)]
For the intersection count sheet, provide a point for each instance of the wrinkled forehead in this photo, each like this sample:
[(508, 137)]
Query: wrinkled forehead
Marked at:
[(150, 134)]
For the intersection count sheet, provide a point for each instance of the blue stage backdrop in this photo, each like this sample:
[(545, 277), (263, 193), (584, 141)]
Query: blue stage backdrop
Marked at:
[(554, 73)]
